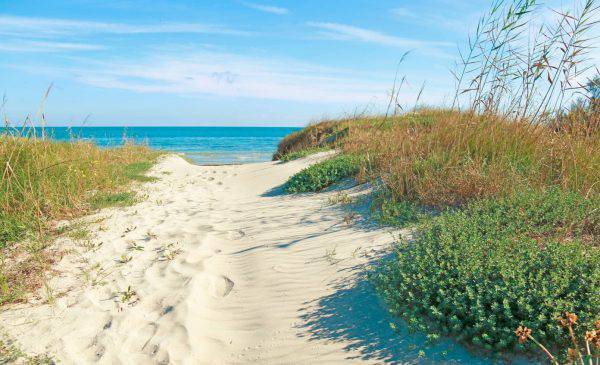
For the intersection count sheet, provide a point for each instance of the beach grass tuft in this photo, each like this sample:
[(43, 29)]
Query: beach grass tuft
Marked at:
[(44, 181)]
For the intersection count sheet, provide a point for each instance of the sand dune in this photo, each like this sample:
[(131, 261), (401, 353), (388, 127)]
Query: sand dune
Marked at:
[(217, 266)]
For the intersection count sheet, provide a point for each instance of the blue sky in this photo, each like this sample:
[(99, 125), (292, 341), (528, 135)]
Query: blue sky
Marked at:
[(227, 62)]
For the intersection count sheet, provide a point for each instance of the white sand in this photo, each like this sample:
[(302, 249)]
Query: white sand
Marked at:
[(226, 269)]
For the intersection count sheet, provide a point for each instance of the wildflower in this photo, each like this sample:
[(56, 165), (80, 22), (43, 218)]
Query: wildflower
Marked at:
[(568, 320), (571, 353), (590, 336), (598, 324), (572, 317), (523, 333)]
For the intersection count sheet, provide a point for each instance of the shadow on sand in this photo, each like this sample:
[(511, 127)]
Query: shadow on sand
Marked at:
[(355, 315)]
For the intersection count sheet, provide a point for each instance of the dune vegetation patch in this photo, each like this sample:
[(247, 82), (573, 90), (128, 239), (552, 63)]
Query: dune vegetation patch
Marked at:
[(303, 153), (44, 181), (323, 174)]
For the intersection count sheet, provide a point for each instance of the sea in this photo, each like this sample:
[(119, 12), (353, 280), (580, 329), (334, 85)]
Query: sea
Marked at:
[(202, 145)]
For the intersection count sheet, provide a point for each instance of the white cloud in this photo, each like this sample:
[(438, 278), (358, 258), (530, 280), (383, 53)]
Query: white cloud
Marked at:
[(433, 19), (43, 46), (267, 8), (214, 74), (44, 27), (348, 32)]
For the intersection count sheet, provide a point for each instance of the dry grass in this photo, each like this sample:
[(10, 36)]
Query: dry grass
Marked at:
[(44, 181), (443, 157), (314, 135), (439, 157)]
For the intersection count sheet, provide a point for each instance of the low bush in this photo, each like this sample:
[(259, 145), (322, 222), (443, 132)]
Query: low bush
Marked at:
[(323, 174), (480, 272)]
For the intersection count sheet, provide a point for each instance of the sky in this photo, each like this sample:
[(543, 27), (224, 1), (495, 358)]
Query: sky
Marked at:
[(225, 62)]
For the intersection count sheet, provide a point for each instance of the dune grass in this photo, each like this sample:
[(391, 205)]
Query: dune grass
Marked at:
[(44, 181), (302, 153)]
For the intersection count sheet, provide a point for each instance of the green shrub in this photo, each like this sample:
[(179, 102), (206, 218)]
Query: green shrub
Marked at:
[(323, 174), (302, 153), (480, 272)]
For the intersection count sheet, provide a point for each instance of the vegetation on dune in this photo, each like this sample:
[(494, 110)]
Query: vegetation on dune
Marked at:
[(323, 174), (313, 137), (44, 181), (302, 153), (480, 272), (513, 176)]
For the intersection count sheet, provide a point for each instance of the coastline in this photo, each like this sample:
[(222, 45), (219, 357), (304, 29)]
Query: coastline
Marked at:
[(216, 265)]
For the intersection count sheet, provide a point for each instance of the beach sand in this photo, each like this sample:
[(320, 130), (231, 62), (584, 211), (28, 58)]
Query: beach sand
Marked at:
[(216, 265)]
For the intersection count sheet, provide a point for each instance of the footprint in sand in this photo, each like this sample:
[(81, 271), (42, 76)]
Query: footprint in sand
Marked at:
[(236, 235), (221, 286)]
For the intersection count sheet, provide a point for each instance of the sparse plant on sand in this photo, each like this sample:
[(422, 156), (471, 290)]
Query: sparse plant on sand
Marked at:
[(169, 251), (125, 258), (10, 353), (134, 246), (151, 235), (339, 198), (331, 254), (128, 296), (95, 274)]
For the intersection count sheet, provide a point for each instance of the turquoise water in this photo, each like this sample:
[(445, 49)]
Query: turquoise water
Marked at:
[(203, 145)]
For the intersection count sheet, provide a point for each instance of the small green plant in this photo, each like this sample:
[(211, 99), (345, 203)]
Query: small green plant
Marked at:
[(133, 246), (169, 251), (129, 229), (95, 274), (323, 174), (330, 255), (128, 296), (125, 258)]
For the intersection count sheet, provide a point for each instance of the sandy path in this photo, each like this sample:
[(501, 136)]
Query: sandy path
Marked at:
[(222, 269)]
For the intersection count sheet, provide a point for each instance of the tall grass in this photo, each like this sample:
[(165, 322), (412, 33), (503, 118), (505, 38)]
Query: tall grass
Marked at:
[(42, 181), (522, 65)]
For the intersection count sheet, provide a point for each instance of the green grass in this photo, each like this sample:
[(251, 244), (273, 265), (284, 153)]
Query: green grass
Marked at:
[(302, 153), (137, 171), (105, 200), (43, 181), (479, 272), (323, 174)]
